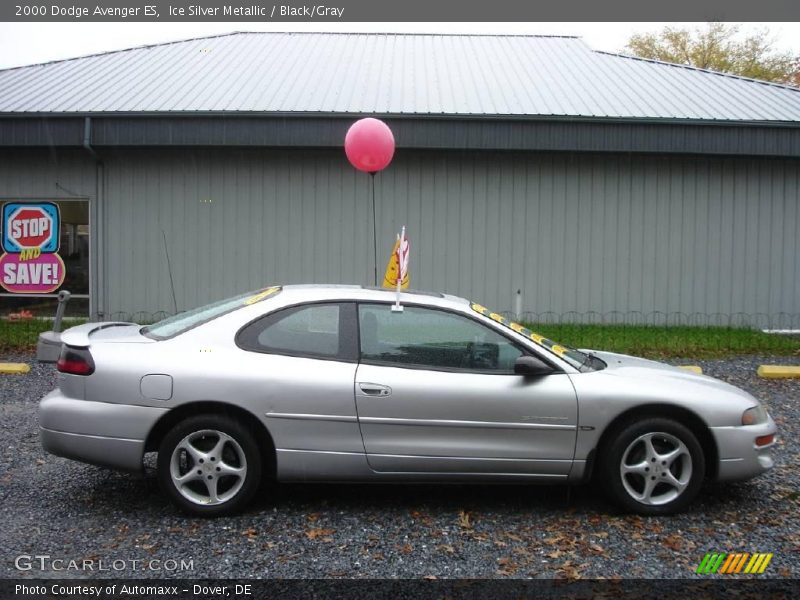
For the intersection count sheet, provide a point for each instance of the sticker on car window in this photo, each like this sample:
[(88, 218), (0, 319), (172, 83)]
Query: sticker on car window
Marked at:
[(550, 345), (271, 291)]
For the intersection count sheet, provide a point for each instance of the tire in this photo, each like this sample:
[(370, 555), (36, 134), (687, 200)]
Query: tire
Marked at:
[(209, 465), (653, 466)]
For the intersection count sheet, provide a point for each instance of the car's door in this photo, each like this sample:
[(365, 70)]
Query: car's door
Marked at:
[(300, 363), (436, 392)]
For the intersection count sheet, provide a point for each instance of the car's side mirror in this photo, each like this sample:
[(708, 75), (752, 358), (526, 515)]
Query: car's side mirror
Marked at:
[(530, 366)]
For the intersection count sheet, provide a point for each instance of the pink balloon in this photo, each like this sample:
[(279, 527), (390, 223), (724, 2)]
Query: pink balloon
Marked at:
[(369, 145)]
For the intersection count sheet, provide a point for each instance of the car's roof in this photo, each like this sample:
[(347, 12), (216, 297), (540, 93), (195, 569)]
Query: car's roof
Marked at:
[(361, 292)]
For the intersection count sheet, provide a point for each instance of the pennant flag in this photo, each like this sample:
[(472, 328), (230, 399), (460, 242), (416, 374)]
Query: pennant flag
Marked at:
[(397, 268)]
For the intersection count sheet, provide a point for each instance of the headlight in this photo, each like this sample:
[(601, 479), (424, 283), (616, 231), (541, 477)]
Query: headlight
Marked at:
[(754, 416)]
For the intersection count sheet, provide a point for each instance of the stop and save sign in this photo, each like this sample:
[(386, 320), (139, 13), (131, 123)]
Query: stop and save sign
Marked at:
[(31, 232)]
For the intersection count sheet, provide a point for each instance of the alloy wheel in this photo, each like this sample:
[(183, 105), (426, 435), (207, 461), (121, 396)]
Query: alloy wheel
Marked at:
[(208, 467), (656, 468)]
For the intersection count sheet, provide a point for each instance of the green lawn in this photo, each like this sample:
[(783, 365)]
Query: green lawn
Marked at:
[(21, 336), (670, 342), (650, 342)]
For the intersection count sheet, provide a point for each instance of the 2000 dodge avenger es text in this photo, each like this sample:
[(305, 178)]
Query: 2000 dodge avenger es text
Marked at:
[(328, 383)]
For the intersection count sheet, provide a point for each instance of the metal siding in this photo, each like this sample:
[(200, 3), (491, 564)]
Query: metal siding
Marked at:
[(573, 232), (427, 74)]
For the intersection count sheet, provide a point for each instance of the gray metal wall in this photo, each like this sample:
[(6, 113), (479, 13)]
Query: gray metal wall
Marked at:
[(573, 232)]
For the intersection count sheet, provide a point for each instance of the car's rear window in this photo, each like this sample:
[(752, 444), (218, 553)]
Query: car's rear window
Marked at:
[(177, 324)]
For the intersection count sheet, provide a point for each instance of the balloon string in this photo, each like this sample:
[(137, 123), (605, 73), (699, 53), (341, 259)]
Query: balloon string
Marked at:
[(374, 234)]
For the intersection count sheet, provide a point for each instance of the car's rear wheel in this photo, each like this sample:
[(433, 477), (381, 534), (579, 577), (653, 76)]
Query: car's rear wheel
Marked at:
[(654, 466), (209, 465)]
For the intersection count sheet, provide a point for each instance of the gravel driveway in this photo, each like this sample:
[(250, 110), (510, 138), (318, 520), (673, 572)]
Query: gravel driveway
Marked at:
[(70, 511)]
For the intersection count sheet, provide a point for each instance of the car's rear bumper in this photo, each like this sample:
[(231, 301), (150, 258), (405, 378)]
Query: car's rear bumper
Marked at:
[(100, 433), (739, 457)]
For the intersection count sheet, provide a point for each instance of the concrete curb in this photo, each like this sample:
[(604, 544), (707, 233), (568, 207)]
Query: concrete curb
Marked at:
[(778, 371), (14, 368)]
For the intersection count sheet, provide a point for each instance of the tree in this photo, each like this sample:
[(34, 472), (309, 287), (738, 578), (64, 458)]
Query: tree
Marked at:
[(719, 47)]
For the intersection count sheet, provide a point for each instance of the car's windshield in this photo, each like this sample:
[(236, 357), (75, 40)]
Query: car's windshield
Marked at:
[(176, 324), (580, 360)]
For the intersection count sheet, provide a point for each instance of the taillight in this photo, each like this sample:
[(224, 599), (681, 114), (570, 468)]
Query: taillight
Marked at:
[(765, 440), (75, 361)]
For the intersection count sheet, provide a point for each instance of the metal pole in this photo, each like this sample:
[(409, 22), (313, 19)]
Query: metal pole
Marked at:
[(63, 298), (374, 234)]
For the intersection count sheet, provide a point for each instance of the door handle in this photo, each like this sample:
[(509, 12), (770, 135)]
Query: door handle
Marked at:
[(375, 389)]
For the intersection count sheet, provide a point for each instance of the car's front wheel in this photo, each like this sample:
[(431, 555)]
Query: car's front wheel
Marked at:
[(209, 465), (654, 466)]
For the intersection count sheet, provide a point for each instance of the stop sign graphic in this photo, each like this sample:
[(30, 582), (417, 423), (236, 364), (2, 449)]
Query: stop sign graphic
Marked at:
[(30, 225)]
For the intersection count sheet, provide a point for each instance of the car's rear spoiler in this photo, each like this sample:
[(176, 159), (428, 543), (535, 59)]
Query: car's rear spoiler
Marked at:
[(79, 335)]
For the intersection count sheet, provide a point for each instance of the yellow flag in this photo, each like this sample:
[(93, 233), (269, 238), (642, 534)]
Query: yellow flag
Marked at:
[(390, 278)]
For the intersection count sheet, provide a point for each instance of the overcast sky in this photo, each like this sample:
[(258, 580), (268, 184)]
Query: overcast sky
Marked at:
[(28, 43)]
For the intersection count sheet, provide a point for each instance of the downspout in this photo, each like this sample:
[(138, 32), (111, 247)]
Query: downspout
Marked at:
[(87, 138), (96, 213)]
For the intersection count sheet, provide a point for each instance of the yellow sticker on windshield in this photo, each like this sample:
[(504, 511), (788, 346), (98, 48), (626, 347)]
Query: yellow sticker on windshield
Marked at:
[(261, 295), (480, 309), (539, 339), (517, 327), (522, 330)]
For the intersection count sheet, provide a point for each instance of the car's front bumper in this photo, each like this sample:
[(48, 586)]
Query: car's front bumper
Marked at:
[(100, 433), (739, 457)]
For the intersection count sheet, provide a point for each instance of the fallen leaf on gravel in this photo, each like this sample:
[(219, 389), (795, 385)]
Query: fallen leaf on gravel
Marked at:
[(556, 553), (464, 520), (554, 540), (314, 534), (378, 556), (500, 544), (420, 516), (39, 461), (568, 571), (313, 517), (250, 532), (286, 557), (601, 534), (673, 542), (516, 538), (597, 548), (635, 521), (507, 566), (446, 548), (406, 548)]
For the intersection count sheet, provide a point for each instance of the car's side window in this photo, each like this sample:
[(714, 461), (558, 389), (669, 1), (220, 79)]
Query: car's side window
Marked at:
[(311, 330), (430, 338)]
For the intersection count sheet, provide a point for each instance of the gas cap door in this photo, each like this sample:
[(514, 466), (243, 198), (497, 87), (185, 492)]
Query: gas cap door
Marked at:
[(156, 386)]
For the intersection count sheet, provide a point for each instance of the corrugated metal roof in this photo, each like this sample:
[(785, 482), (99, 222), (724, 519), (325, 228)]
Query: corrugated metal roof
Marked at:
[(389, 74)]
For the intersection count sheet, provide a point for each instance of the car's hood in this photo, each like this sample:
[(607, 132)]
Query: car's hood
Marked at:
[(632, 367)]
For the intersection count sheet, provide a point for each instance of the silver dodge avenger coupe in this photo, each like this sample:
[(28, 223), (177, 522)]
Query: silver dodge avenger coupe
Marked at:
[(329, 383)]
